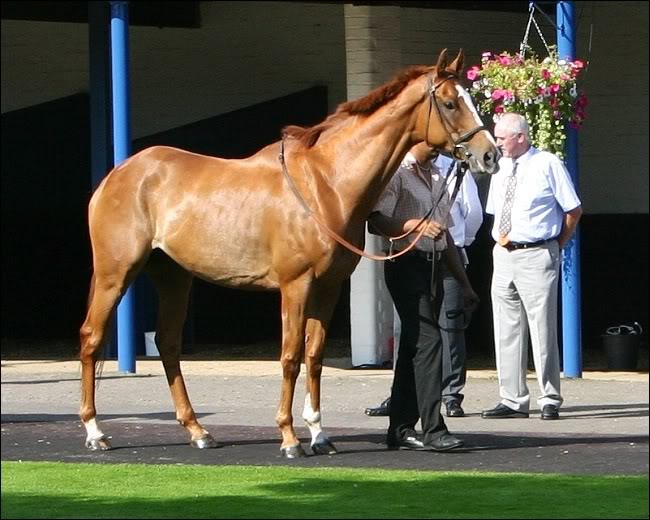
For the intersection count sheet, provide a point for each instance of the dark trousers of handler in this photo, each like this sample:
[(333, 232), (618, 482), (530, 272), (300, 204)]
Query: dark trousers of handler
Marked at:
[(417, 384)]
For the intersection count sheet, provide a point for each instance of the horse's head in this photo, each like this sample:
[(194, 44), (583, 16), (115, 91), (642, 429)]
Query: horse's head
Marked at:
[(452, 122)]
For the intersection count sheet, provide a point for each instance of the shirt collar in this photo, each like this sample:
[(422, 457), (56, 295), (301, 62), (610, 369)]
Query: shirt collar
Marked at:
[(523, 159)]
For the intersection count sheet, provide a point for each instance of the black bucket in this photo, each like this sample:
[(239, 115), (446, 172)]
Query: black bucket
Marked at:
[(622, 351)]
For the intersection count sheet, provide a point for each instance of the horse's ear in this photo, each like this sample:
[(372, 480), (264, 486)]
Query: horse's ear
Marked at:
[(442, 61), (456, 66)]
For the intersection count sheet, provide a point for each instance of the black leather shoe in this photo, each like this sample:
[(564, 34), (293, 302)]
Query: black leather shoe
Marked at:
[(445, 442), (550, 412), (501, 411), (407, 443), (383, 410), (455, 410)]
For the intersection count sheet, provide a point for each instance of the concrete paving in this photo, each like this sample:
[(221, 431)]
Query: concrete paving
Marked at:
[(603, 427)]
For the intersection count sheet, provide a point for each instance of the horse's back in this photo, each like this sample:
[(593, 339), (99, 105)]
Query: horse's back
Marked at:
[(215, 217)]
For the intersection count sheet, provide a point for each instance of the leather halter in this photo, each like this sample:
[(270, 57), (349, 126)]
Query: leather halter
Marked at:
[(460, 151)]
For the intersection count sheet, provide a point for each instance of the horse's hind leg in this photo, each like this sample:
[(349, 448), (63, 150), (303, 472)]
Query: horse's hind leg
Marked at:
[(321, 306), (174, 285), (105, 291)]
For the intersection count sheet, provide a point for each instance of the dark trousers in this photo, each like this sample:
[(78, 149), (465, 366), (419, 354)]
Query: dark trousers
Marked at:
[(454, 371), (417, 382)]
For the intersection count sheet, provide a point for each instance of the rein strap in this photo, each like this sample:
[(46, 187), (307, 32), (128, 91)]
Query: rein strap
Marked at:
[(335, 236)]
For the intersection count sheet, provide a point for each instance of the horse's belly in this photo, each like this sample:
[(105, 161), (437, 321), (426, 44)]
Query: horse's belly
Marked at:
[(230, 268)]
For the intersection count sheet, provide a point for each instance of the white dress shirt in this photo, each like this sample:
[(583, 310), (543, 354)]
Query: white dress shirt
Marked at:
[(543, 194), (466, 210)]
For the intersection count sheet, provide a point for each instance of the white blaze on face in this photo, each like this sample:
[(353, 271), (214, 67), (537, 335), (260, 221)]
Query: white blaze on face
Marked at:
[(93, 432), (462, 93), (312, 418)]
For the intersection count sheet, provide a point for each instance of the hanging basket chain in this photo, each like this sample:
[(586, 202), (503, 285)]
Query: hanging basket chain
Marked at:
[(539, 31), (531, 19), (524, 42)]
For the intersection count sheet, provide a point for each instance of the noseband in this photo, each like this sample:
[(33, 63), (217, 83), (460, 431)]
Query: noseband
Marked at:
[(460, 151)]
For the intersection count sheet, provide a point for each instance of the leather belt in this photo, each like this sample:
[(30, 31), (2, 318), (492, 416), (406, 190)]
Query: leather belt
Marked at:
[(428, 256), (512, 246)]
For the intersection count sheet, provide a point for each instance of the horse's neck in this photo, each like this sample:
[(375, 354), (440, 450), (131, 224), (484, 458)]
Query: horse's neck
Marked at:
[(368, 157)]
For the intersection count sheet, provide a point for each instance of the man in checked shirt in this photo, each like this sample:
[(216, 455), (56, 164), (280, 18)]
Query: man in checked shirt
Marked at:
[(411, 280)]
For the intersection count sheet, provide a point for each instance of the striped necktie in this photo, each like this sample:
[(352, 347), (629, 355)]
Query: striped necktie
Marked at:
[(511, 183)]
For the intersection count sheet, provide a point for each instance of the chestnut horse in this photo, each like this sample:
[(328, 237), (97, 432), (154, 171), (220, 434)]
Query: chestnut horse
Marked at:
[(243, 224)]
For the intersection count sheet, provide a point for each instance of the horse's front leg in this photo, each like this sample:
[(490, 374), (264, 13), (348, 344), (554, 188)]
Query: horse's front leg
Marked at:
[(320, 312), (294, 298)]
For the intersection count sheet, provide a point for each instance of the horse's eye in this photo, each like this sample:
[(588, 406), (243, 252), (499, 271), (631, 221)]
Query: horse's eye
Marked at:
[(450, 105)]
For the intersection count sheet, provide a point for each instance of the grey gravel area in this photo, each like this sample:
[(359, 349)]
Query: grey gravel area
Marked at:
[(603, 426)]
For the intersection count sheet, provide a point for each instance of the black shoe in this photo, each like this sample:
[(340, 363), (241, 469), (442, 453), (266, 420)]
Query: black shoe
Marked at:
[(445, 442), (383, 410), (550, 412), (501, 411), (455, 410), (407, 443)]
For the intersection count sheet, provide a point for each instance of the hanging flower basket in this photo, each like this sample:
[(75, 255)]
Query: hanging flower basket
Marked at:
[(544, 91)]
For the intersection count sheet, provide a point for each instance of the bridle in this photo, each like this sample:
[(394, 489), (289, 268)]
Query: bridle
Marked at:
[(460, 151)]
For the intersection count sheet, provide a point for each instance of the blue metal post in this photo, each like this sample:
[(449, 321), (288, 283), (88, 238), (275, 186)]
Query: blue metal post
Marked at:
[(570, 280), (126, 322)]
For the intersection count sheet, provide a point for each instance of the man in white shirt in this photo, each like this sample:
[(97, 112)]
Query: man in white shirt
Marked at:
[(466, 219), (536, 212)]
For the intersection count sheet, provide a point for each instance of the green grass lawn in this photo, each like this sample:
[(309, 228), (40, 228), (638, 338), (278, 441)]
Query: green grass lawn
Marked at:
[(62, 490)]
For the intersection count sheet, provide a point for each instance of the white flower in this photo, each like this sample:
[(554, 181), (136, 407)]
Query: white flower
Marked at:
[(561, 62), (485, 81), (573, 91), (476, 85), (488, 94), (538, 100)]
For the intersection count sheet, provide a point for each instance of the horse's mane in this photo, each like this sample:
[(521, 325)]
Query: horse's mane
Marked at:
[(308, 136)]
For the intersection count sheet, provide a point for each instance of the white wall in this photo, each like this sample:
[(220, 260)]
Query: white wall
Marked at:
[(42, 61), (248, 52), (244, 53)]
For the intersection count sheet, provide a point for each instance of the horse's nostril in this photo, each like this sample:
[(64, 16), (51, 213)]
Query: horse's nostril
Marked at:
[(492, 157)]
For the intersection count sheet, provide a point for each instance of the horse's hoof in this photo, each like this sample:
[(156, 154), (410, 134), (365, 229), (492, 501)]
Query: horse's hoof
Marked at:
[(205, 442), (293, 452), (323, 447), (100, 444)]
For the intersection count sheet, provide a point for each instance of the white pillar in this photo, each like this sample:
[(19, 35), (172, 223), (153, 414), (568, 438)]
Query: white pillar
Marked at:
[(373, 56)]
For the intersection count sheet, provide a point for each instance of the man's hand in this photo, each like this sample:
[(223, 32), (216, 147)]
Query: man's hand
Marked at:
[(432, 229)]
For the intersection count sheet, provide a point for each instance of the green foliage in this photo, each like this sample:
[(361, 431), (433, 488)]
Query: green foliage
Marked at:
[(545, 92)]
